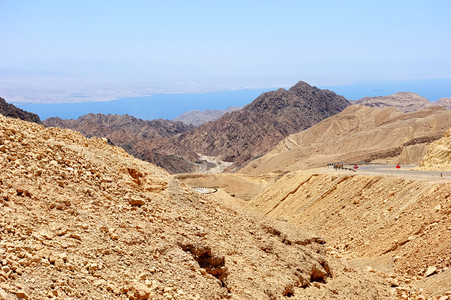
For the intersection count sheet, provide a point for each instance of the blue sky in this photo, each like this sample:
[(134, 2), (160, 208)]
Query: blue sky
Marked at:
[(98, 50)]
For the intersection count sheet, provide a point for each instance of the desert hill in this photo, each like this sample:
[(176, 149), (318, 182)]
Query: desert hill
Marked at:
[(445, 102), (404, 101), (12, 111), (136, 136), (81, 219), (240, 136), (199, 117), (438, 155), (398, 228), (358, 133)]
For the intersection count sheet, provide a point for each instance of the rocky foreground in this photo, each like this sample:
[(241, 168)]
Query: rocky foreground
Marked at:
[(81, 219)]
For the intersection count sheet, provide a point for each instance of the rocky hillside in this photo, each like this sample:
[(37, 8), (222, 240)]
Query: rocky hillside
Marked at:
[(406, 102), (398, 228), (438, 155), (356, 134), (444, 102), (81, 219), (243, 135), (199, 117), (10, 110), (136, 136)]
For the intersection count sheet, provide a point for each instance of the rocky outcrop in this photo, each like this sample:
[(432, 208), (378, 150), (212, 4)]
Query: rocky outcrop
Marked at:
[(81, 219), (244, 135), (12, 111), (438, 155), (199, 117), (390, 225), (136, 136)]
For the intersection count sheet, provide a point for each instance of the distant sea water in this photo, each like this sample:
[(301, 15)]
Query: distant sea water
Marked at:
[(165, 106), (169, 106)]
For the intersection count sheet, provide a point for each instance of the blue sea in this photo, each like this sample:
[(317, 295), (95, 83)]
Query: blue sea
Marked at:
[(169, 106)]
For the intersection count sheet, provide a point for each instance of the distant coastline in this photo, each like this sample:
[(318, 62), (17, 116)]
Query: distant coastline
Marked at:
[(169, 106)]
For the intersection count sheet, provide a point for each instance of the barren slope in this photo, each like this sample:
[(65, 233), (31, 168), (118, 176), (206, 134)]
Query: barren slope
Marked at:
[(396, 226), (404, 101), (445, 102), (136, 136), (438, 155), (81, 219), (199, 117), (358, 133)]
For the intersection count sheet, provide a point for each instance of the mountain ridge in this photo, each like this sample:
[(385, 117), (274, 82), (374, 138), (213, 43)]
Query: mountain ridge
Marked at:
[(9, 110), (242, 135), (198, 117), (405, 101), (136, 136)]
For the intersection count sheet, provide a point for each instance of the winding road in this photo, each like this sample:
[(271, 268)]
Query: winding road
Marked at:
[(406, 171)]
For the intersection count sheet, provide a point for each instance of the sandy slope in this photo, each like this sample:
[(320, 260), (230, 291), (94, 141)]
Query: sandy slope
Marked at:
[(438, 156), (398, 227), (358, 133), (80, 219)]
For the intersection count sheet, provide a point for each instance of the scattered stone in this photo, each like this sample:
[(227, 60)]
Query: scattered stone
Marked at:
[(394, 283), (430, 271), (140, 290), (136, 201)]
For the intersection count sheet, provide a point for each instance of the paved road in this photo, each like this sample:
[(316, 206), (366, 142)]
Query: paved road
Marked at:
[(405, 172)]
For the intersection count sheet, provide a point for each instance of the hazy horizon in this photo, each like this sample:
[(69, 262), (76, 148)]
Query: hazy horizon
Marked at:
[(66, 51), (169, 106)]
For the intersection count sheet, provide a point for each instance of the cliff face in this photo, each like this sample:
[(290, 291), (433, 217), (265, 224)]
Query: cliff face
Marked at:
[(243, 135), (12, 111)]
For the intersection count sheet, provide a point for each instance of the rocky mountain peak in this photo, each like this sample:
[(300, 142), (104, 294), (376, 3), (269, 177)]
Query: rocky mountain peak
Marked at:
[(302, 86), (243, 135)]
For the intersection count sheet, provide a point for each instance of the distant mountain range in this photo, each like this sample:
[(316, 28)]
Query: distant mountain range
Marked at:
[(241, 135), (9, 110), (244, 135), (236, 137), (198, 117), (406, 102)]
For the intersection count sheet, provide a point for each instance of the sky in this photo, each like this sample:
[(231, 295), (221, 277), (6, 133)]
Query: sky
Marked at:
[(66, 51)]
